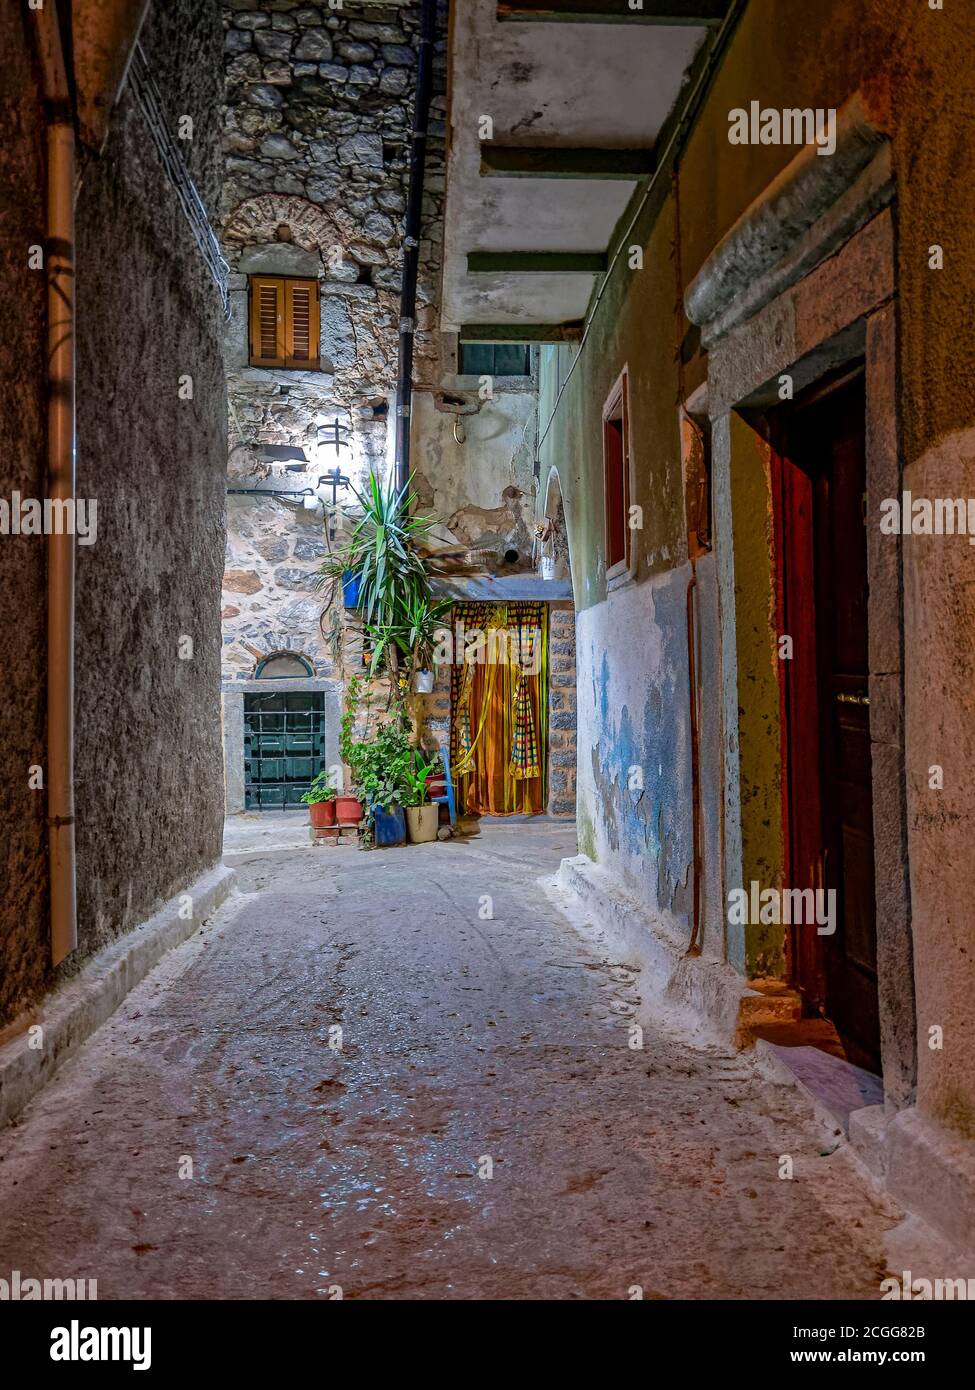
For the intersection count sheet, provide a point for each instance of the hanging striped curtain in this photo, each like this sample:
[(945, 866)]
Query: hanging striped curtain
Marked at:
[(499, 708)]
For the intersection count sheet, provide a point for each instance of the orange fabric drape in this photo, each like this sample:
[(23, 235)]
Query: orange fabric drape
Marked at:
[(499, 711)]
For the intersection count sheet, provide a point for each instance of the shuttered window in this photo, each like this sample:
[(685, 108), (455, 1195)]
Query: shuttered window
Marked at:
[(284, 322)]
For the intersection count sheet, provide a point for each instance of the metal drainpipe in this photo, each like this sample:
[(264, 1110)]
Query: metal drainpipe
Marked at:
[(59, 264), (411, 240)]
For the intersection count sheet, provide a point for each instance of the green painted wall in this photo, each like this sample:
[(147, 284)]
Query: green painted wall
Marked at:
[(921, 63), (918, 65)]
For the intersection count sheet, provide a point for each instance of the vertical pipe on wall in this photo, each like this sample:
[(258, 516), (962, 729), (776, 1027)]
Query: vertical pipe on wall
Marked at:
[(411, 240), (59, 269)]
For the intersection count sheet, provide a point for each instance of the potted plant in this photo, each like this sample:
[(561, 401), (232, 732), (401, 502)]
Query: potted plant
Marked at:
[(320, 800), (422, 815), (387, 813), (413, 627), (348, 806), (348, 809), (378, 765), (436, 777), (381, 558)]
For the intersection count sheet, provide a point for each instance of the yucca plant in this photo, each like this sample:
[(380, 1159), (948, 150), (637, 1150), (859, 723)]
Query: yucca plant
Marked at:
[(397, 609), (417, 618)]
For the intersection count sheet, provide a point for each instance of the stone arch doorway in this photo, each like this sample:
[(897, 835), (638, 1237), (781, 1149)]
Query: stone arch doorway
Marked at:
[(284, 665)]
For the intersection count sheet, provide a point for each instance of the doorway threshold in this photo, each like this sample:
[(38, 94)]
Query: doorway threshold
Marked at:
[(815, 1064)]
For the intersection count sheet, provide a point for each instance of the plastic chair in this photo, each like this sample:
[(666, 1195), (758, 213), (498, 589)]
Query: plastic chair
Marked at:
[(449, 798)]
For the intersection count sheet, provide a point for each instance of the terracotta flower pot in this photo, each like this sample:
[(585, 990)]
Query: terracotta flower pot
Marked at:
[(321, 813), (348, 810)]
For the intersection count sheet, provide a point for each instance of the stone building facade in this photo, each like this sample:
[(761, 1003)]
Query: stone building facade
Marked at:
[(317, 118), (318, 108), (316, 137)]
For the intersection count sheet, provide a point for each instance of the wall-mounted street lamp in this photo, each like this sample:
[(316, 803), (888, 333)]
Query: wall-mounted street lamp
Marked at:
[(334, 479), (334, 433)]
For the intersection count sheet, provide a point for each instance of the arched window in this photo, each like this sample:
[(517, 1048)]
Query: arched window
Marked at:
[(283, 666)]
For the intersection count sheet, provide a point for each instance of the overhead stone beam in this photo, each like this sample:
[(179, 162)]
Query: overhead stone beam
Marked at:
[(521, 332), (536, 262), (685, 12), (523, 162)]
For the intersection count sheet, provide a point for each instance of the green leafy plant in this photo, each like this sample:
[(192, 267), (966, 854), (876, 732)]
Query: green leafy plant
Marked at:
[(320, 790), (417, 618), (415, 790), (379, 765), (396, 606), (353, 693)]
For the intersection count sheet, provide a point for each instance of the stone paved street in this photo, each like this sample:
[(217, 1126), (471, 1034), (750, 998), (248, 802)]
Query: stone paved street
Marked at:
[(463, 1039)]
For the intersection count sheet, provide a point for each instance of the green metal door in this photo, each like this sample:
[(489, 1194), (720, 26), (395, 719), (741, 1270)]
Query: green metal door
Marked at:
[(284, 747)]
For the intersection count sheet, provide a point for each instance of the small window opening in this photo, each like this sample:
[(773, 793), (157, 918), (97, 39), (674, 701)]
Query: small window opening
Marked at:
[(616, 474), (494, 359), (283, 666), (284, 322)]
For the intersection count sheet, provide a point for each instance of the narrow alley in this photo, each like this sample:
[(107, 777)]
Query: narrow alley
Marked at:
[(487, 508), (464, 1039)]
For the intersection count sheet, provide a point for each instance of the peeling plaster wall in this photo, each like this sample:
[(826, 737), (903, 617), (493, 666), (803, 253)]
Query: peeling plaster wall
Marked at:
[(633, 714), (632, 657), (464, 482), (915, 63)]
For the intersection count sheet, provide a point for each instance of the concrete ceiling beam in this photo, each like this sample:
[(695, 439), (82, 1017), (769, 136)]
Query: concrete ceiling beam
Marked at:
[(534, 162), (521, 332), (536, 262), (694, 13)]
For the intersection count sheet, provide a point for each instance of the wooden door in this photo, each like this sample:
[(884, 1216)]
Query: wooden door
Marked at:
[(822, 569)]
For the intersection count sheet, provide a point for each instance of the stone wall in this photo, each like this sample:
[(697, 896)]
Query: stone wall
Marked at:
[(562, 710), (150, 807), (317, 140)]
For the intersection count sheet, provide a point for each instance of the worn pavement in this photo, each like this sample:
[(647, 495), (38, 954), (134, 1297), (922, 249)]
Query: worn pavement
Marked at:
[(479, 1129)]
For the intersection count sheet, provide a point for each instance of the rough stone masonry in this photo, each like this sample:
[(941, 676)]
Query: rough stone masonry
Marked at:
[(317, 117)]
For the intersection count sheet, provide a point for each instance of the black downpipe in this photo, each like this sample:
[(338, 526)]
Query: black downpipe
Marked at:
[(411, 239)]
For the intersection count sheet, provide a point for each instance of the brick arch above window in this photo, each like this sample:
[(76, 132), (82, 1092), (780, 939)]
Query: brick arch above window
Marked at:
[(256, 221)]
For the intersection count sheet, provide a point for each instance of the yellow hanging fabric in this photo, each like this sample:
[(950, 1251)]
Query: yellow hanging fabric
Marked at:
[(499, 709)]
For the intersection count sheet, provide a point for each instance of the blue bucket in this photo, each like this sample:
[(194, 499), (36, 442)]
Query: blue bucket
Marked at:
[(351, 581), (390, 826)]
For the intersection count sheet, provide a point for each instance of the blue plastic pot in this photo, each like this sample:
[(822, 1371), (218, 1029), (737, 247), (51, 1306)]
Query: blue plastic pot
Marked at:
[(390, 826), (350, 588)]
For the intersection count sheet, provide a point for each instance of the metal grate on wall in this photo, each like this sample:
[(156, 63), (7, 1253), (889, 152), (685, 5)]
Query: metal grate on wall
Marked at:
[(284, 747), (150, 102)]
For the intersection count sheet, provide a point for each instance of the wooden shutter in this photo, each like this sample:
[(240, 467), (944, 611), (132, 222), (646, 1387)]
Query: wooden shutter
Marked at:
[(267, 348), (284, 322), (301, 323)]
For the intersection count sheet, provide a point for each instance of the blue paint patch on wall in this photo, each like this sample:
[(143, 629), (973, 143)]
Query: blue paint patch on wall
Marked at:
[(641, 758)]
